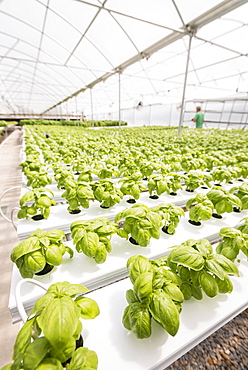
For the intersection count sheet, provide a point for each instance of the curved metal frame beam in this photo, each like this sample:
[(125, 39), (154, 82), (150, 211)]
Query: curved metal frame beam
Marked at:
[(214, 13)]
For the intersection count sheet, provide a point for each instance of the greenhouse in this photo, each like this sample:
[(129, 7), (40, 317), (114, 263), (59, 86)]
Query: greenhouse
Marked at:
[(124, 184)]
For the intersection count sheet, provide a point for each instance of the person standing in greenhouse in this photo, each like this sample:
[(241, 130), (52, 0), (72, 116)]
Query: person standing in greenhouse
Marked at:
[(199, 118)]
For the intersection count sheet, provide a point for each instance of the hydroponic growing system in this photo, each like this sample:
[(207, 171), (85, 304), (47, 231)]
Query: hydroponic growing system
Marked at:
[(132, 224), (108, 209)]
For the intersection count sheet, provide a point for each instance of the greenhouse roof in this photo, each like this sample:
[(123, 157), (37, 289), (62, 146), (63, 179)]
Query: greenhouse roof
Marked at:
[(60, 55)]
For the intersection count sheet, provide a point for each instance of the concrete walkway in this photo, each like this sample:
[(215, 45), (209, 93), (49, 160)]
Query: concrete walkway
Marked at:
[(10, 175)]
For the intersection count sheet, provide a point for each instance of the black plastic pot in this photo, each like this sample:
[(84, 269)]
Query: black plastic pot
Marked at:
[(236, 209), (154, 196), (240, 180), (204, 187), (132, 201), (173, 193), (165, 230), (189, 191), (37, 217), (217, 184), (104, 207), (75, 211), (133, 241), (195, 223), (215, 215), (45, 270)]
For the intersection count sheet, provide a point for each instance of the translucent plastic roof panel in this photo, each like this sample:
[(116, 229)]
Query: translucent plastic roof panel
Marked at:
[(52, 50), (77, 14), (117, 48), (160, 12), (90, 55), (137, 29)]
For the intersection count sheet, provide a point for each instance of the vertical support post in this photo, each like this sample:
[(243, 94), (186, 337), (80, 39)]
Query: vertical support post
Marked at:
[(170, 114), (67, 112), (119, 101), (91, 102), (184, 86), (150, 108)]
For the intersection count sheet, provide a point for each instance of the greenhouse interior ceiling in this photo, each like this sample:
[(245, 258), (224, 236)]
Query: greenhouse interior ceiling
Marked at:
[(60, 56)]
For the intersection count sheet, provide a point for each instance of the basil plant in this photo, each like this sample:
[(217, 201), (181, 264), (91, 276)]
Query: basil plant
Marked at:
[(93, 237), (223, 201), (171, 216), (141, 223), (40, 249), (241, 192), (132, 185), (200, 208), (195, 179), (36, 204), (155, 295), (200, 269), (50, 336), (233, 241), (78, 194), (157, 185), (106, 193)]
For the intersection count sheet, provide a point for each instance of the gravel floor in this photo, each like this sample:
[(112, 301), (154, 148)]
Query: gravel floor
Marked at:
[(226, 349)]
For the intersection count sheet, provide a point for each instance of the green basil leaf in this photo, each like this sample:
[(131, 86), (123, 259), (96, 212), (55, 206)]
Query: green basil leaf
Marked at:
[(66, 289), (50, 363), (44, 241), (196, 292), (225, 285), (107, 243), (188, 257), (82, 359), (58, 321), (27, 197), (26, 246), (89, 244), (101, 253), (138, 265), (165, 312), (140, 320), (34, 261), (88, 307), (126, 317), (143, 237), (23, 338), (186, 289), (214, 267), (208, 284), (55, 235), (78, 234), (43, 201), (122, 233), (135, 191), (229, 267), (231, 232), (53, 255), (35, 353), (221, 206), (143, 285), (131, 297), (173, 292), (204, 247), (63, 353)]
